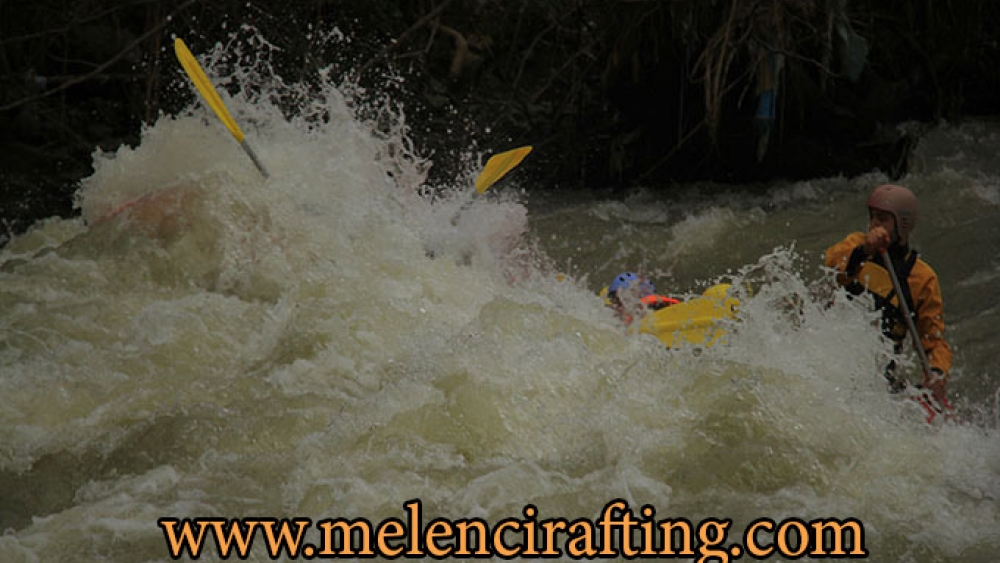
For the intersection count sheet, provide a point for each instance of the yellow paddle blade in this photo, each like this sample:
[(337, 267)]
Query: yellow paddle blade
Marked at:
[(498, 165), (197, 75)]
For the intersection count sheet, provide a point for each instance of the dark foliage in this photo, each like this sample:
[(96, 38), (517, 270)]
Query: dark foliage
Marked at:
[(610, 92)]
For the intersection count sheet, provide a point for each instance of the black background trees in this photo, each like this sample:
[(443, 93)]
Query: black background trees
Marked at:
[(611, 92)]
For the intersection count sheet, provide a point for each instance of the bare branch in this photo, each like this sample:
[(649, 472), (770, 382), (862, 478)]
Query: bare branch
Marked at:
[(101, 68)]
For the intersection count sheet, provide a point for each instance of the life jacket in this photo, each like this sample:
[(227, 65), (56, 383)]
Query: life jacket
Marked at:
[(652, 302), (657, 302), (873, 277), (920, 286)]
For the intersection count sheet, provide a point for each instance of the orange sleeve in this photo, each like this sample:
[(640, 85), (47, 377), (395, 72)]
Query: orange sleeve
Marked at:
[(930, 319), (838, 255)]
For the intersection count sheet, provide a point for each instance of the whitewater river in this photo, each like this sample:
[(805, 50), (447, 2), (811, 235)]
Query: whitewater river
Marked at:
[(333, 343)]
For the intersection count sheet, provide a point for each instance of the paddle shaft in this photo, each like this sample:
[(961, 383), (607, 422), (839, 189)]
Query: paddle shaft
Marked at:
[(911, 328), (253, 157)]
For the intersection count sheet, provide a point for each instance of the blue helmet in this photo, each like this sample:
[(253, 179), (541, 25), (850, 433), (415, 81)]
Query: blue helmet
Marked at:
[(625, 280)]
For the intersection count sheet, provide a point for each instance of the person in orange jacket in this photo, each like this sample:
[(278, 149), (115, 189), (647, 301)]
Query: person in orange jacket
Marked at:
[(626, 288), (892, 212)]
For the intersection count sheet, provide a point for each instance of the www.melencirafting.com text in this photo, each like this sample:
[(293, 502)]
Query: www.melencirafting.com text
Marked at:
[(618, 532)]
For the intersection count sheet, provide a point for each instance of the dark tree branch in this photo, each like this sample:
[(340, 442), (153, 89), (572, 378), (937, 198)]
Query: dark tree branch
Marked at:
[(102, 67)]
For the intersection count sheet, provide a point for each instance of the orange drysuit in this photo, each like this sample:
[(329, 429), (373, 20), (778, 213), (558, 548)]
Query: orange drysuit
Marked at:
[(861, 272)]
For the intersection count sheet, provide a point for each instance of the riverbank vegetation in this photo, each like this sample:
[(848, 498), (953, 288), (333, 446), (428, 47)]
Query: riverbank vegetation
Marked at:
[(612, 93)]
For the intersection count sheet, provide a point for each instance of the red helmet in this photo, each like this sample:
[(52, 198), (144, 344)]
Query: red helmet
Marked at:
[(900, 202)]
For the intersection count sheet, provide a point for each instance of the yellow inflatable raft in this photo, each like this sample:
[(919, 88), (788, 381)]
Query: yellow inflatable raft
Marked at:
[(695, 321)]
